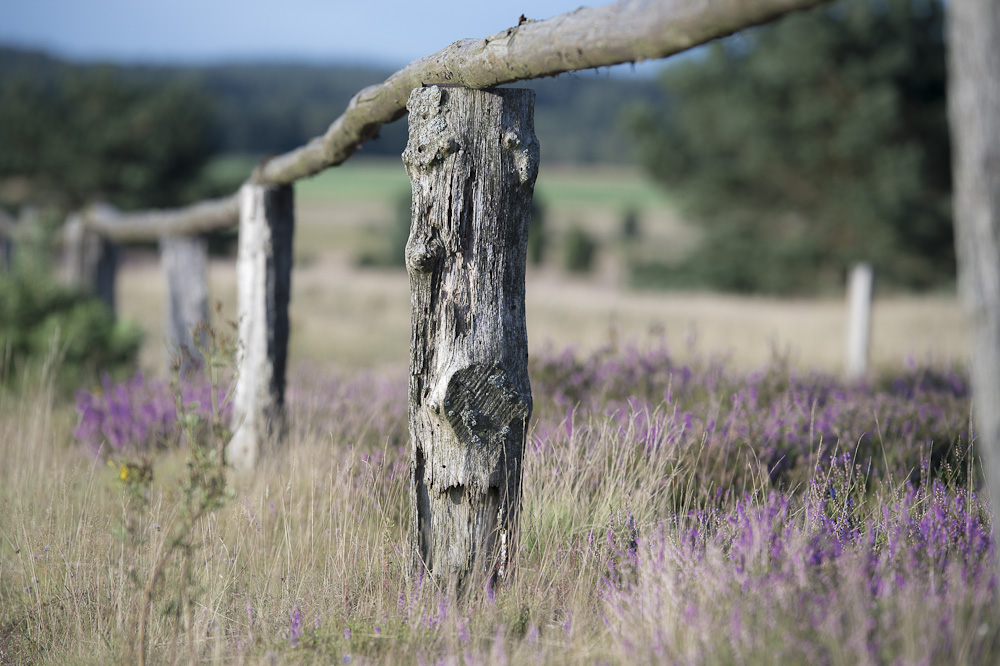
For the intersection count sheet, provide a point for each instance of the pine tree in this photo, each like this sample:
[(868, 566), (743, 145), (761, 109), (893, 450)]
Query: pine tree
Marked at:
[(808, 144)]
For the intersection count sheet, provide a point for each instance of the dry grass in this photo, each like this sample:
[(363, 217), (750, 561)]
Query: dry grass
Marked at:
[(306, 564), (321, 530), (344, 316)]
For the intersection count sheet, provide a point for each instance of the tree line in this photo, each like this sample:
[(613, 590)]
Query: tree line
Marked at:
[(265, 108)]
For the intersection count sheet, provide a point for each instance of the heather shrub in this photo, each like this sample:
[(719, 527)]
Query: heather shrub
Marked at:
[(140, 415), (779, 422), (812, 579), (654, 529)]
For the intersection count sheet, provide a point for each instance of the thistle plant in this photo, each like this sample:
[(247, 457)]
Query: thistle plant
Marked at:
[(203, 490)]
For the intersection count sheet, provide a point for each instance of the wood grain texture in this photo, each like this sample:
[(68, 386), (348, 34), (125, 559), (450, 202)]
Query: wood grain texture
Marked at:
[(472, 158), (263, 274), (974, 115)]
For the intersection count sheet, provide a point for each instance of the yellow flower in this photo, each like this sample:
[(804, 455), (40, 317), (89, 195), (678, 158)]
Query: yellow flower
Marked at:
[(124, 472)]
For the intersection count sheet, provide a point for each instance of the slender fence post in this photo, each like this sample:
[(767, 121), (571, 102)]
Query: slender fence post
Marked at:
[(91, 261), (183, 259), (859, 318), (472, 159), (263, 274)]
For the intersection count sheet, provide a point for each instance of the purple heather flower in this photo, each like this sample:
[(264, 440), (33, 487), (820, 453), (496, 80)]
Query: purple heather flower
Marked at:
[(295, 633)]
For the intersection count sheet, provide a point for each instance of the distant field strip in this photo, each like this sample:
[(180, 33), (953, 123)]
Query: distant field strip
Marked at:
[(364, 180)]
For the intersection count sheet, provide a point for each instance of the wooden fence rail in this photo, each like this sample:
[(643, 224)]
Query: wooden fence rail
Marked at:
[(151, 225)]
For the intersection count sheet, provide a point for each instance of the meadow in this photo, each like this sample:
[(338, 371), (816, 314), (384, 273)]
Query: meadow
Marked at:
[(700, 485)]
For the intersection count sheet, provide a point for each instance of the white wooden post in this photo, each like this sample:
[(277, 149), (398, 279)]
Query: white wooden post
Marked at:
[(263, 273), (859, 317), (472, 159), (184, 259)]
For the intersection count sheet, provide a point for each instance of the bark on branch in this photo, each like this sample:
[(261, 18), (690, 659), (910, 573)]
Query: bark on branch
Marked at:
[(195, 219)]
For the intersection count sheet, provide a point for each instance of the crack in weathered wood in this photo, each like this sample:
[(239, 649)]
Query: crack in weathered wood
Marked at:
[(470, 399)]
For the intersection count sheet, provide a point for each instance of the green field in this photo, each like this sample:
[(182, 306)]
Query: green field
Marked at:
[(362, 179), (352, 210)]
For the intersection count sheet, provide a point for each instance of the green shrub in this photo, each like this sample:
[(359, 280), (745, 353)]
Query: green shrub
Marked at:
[(537, 238), (41, 320), (392, 251), (580, 251), (630, 230)]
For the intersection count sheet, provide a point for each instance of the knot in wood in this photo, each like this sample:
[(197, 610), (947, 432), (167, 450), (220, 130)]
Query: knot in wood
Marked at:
[(482, 404), (422, 253), (429, 149), (526, 155)]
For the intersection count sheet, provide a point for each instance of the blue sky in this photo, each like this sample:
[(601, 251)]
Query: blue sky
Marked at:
[(382, 32)]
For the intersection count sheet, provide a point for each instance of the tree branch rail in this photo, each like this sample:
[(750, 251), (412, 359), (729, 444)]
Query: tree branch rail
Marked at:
[(613, 34)]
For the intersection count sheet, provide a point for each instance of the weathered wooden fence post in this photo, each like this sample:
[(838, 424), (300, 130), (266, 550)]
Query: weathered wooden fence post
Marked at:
[(472, 159), (183, 259), (91, 260), (973, 40), (859, 318), (264, 277)]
